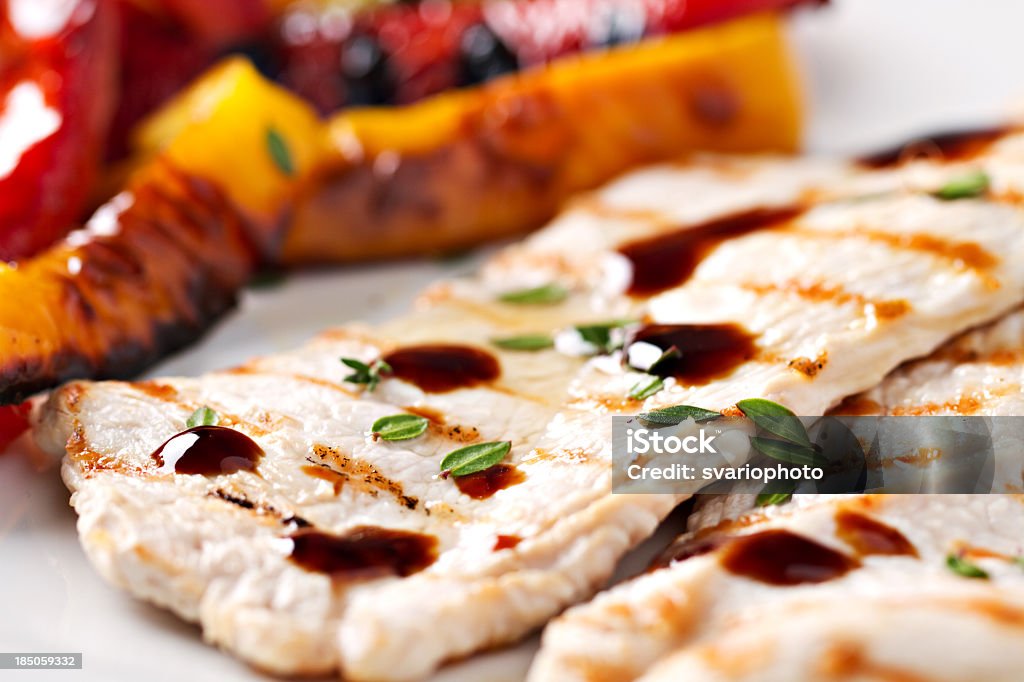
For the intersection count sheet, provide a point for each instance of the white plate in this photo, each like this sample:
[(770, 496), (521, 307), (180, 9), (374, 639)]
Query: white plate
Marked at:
[(877, 71)]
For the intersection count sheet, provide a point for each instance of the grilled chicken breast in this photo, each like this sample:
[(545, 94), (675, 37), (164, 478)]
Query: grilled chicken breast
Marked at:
[(834, 588), (308, 545), (887, 610)]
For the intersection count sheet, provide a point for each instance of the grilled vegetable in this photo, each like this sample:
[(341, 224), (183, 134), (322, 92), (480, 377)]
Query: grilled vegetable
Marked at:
[(13, 422), (479, 164), (164, 258), (159, 263), (57, 91), (399, 53)]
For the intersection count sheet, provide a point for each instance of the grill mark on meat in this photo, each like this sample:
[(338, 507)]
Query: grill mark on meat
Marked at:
[(456, 432), (236, 500), (605, 403), (809, 367), (723, 659), (971, 552), (72, 395), (590, 669), (822, 292), (91, 462), (155, 389), (430, 414), (294, 376), (363, 475), (993, 609), (438, 425), (570, 455), (966, 403), (325, 473), (848, 660), (259, 508), (963, 356), (969, 255)]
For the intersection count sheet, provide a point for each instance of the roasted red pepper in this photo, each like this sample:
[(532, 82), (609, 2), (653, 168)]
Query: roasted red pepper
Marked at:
[(58, 64), (400, 53), (220, 22), (13, 422), (166, 44)]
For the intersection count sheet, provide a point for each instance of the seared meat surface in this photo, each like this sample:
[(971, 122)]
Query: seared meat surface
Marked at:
[(313, 546)]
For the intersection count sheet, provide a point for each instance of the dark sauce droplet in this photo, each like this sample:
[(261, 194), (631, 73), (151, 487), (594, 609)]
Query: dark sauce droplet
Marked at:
[(483, 484), (209, 451), (778, 557), (506, 542), (363, 552), (867, 536), (667, 260), (706, 351), (439, 368), (957, 145)]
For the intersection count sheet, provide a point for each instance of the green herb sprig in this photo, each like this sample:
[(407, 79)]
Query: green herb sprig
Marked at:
[(548, 294), (793, 445), (775, 419), (599, 334), (966, 186), (399, 427), (677, 414), (646, 387), (279, 152), (368, 375), (474, 458), (525, 342), (767, 499), (962, 567), (204, 416)]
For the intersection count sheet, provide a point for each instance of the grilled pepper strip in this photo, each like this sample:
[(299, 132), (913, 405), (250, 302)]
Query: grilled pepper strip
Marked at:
[(158, 263), (469, 166), (156, 266)]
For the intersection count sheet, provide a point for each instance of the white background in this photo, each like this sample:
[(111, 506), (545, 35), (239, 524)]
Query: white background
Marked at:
[(876, 71)]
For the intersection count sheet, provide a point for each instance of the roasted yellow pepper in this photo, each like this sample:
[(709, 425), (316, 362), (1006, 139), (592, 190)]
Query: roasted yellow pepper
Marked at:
[(221, 129), (468, 166), (464, 167)]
